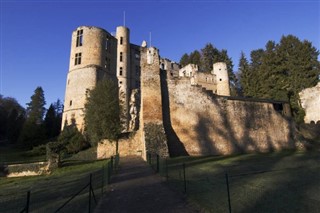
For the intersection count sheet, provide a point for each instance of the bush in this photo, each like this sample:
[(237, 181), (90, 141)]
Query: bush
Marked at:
[(73, 140), (37, 151)]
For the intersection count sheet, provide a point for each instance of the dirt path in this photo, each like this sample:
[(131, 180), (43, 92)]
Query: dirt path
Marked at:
[(136, 188)]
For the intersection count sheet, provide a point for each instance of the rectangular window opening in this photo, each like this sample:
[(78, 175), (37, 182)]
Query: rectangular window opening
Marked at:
[(121, 40), (77, 59), (120, 72), (79, 38)]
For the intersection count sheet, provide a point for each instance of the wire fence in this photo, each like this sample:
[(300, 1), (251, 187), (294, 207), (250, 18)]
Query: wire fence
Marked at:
[(284, 190), (80, 193)]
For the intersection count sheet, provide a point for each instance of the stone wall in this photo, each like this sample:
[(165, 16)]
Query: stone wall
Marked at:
[(129, 146), (204, 124), (310, 101)]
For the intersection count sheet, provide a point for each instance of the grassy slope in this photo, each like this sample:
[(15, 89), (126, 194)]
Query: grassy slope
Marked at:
[(51, 191), (276, 182), (12, 155)]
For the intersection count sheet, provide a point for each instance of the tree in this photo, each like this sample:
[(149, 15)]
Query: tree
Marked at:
[(12, 117), (36, 109), (244, 75), (209, 55), (33, 132), (53, 119), (195, 58), (256, 79), (282, 70), (184, 60), (300, 67), (102, 112)]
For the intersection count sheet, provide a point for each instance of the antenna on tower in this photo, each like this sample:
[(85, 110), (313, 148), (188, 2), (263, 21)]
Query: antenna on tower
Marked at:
[(150, 38), (124, 18)]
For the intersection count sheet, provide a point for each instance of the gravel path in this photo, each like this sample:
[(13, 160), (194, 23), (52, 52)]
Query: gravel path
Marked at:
[(136, 188)]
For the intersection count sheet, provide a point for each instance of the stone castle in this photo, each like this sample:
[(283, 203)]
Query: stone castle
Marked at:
[(171, 110)]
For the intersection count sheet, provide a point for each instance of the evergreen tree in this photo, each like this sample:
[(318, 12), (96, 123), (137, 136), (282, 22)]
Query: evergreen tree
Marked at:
[(244, 75), (33, 132), (184, 60), (300, 67), (209, 55), (282, 70), (36, 109), (49, 122), (102, 112), (195, 58), (256, 76)]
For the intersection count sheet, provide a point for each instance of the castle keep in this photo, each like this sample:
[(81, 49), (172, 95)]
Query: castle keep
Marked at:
[(172, 109)]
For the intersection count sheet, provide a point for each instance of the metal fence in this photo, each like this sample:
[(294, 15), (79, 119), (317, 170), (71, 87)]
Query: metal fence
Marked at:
[(79, 194), (293, 189)]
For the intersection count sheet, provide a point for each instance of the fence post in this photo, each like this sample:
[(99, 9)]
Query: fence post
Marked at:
[(184, 177), (103, 171), (229, 201), (158, 163), (111, 160), (28, 201), (150, 159), (167, 174), (117, 161), (109, 172), (90, 189)]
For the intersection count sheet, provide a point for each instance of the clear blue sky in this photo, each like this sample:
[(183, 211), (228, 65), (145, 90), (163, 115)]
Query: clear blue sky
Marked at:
[(36, 35)]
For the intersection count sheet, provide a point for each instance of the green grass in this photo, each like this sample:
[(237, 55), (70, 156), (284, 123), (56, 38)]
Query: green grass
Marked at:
[(276, 182), (51, 191), (10, 155)]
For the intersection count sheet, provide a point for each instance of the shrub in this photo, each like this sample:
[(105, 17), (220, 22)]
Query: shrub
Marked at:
[(72, 139), (37, 151)]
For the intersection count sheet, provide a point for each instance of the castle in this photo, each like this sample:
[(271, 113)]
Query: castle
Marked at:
[(96, 54), (172, 109)]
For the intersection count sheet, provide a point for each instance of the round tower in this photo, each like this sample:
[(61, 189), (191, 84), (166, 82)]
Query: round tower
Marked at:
[(87, 65), (123, 69), (222, 78)]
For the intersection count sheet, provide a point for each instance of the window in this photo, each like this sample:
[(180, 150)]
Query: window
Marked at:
[(107, 44), (77, 59), (220, 79), (120, 56), (79, 38), (120, 82), (70, 104), (171, 65), (121, 40), (120, 72)]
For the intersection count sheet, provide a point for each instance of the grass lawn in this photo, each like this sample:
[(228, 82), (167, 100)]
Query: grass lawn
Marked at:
[(51, 191), (275, 182), (13, 156)]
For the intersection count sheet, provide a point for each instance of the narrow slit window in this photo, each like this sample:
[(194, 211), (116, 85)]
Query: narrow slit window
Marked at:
[(121, 40), (120, 56), (70, 103), (79, 38), (120, 72), (107, 44)]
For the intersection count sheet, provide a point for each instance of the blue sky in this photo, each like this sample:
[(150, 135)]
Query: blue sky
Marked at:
[(35, 35)]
